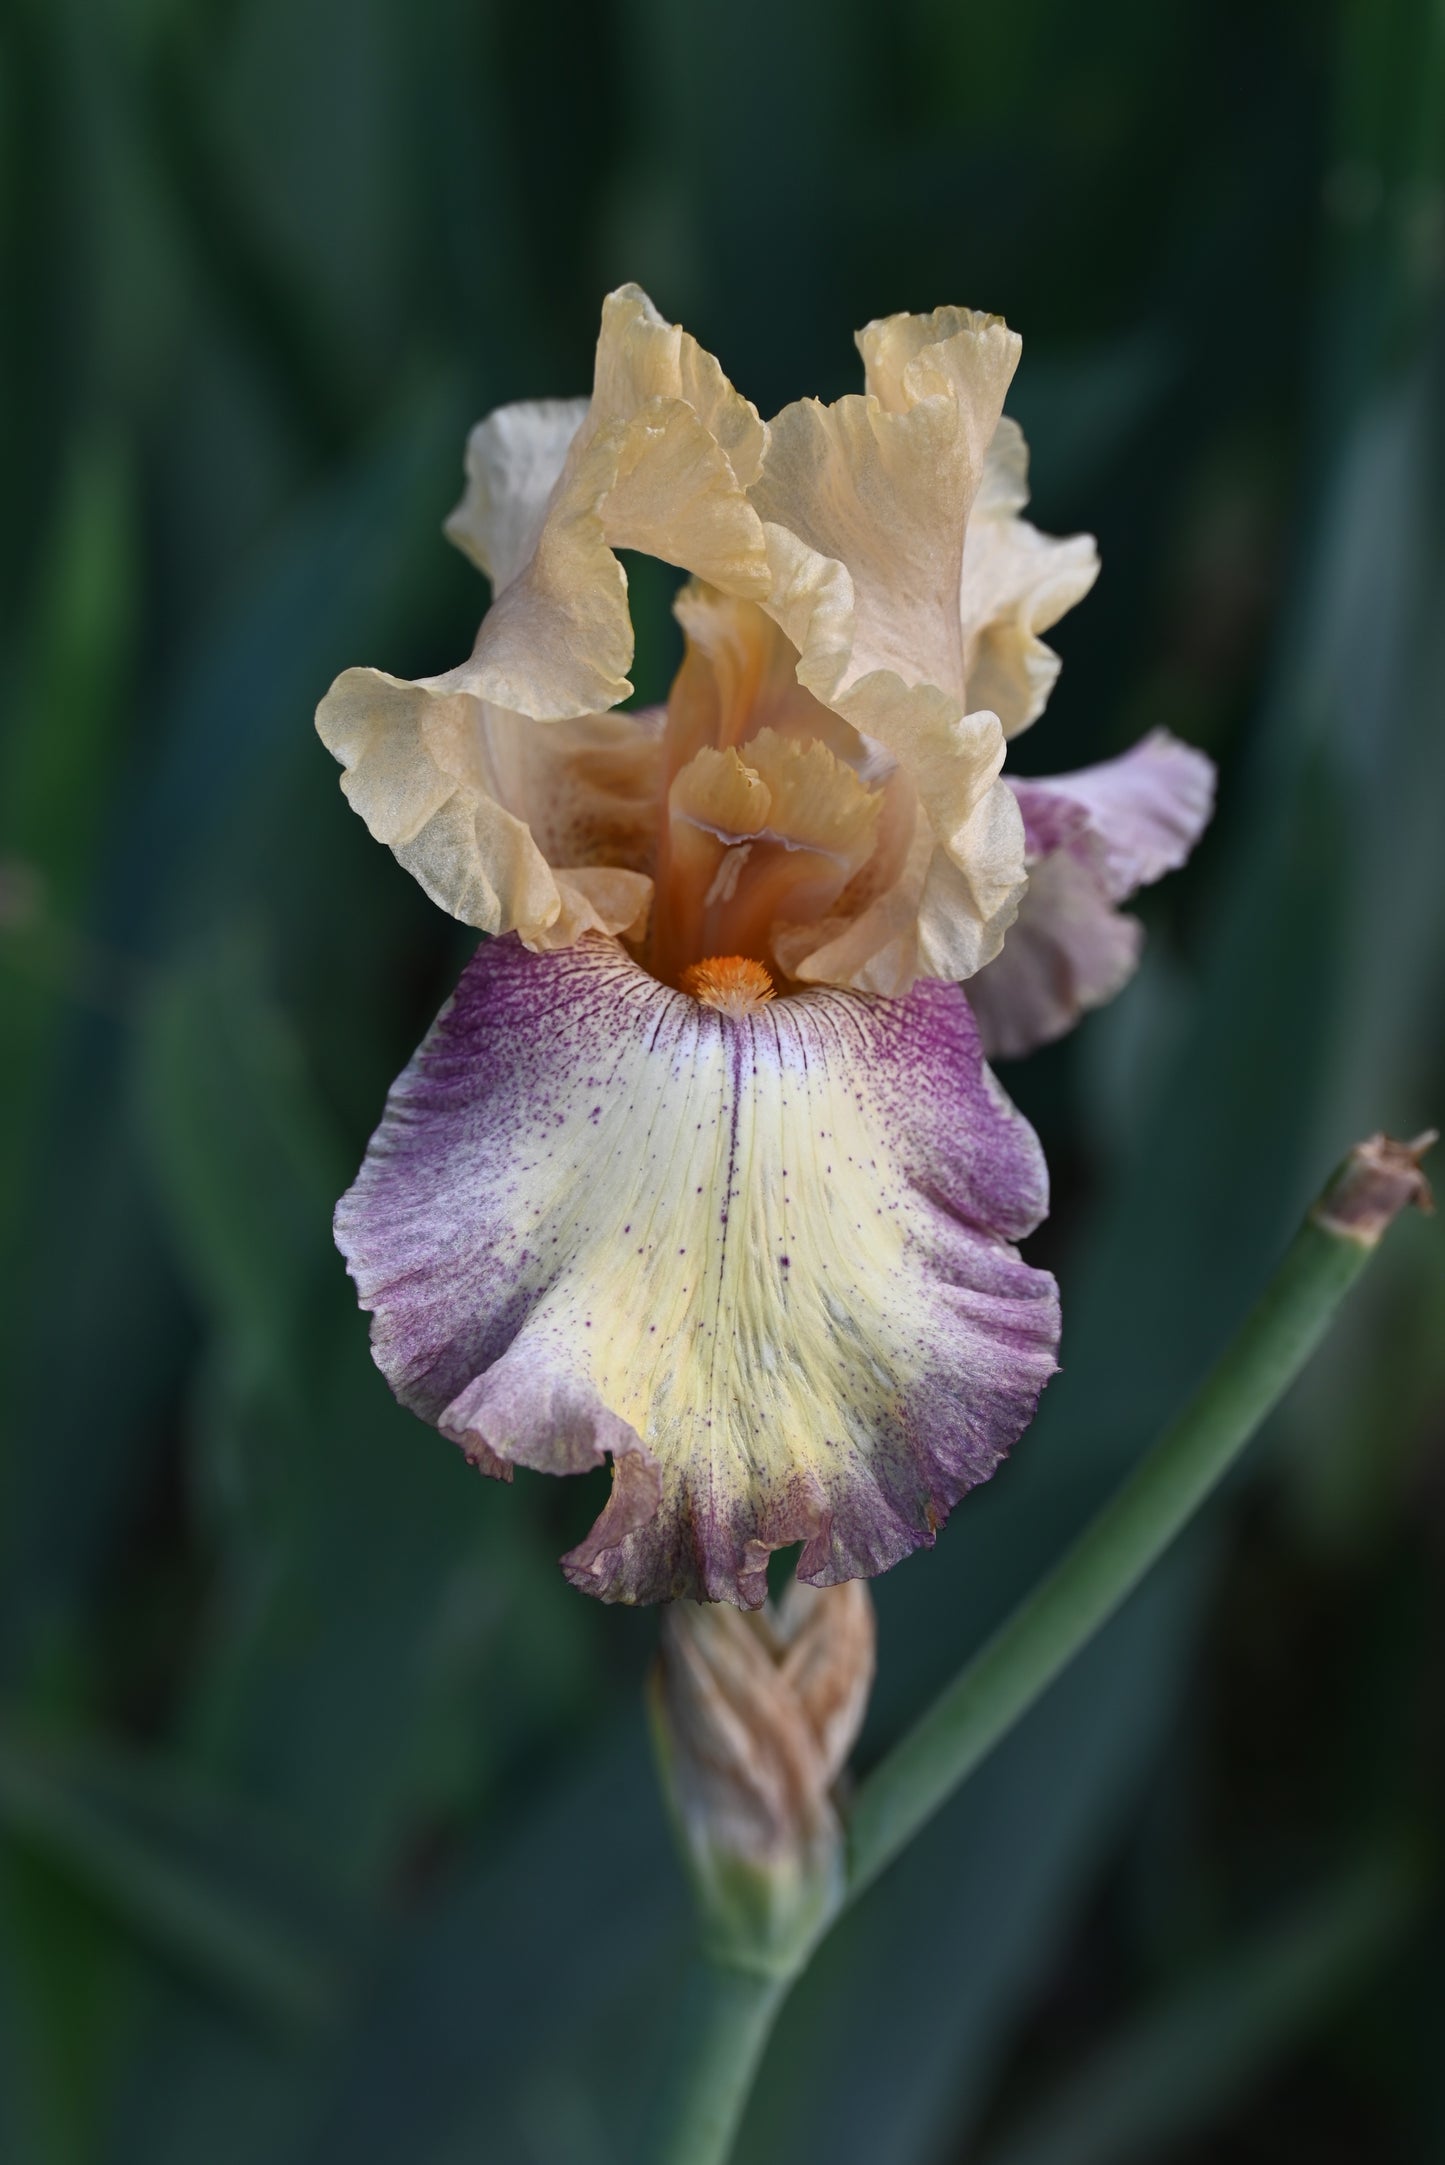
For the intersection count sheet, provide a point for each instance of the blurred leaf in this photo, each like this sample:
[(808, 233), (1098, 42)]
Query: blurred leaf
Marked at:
[(273, 305), (1082, 414), (245, 1159), (57, 771), (523, 2006), (68, 2000), (237, 716), (57, 775), (1384, 189), (192, 848), (197, 1879), (1182, 2066), (60, 758)]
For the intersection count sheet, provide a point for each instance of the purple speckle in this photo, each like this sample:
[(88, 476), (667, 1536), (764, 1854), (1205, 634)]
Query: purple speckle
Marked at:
[(941, 1353)]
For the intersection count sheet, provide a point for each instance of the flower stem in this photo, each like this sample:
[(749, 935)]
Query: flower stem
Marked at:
[(1042, 1636), (727, 2016), (728, 2013)]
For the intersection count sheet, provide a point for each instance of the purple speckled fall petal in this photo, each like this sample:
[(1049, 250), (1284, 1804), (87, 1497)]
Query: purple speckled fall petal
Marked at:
[(762, 1262), (1092, 839)]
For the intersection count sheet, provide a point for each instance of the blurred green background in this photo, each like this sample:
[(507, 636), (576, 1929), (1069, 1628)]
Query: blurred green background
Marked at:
[(327, 1829)]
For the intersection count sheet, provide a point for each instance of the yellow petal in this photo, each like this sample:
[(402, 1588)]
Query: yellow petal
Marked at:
[(762, 1261), (641, 355), (1005, 484), (721, 790), (739, 676), (817, 802)]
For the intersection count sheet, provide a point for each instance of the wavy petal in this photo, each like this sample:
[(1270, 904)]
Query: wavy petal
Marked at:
[(507, 823), (514, 461), (1093, 838), (739, 675), (1005, 484), (659, 460), (873, 495), (1145, 810), (1016, 582), (763, 1262), (661, 464), (866, 504)]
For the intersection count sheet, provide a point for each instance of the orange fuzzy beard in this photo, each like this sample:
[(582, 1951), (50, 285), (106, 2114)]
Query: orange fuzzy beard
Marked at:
[(730, 983)]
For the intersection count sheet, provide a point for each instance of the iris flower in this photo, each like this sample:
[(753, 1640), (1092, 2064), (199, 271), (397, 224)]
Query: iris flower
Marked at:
[(702, 1171)]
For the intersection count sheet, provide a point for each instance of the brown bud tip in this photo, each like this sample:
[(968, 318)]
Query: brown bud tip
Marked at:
[(1378, 1180)]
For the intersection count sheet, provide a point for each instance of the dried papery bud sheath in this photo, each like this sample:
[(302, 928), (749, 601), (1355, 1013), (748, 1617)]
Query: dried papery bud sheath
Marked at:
[(754, 1715), (1378, 1180)]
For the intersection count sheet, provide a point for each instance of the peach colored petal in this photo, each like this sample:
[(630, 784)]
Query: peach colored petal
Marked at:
[(866, 505), (1016, 583), (481, 806), (661, 464)]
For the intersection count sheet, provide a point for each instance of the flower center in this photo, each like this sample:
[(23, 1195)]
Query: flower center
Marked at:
[(758, 836), (733, 984)]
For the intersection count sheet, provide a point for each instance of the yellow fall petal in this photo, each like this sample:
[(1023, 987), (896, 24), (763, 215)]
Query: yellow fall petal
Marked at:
[(761, 1259)]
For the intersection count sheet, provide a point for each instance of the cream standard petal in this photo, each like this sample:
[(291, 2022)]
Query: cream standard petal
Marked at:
[(879, 487), (514, 461), (661, 464), (763, 1261), (867, 505), (1016, 582)]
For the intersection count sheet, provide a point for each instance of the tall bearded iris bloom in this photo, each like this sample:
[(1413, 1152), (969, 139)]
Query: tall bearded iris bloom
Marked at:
[(701, 1170)]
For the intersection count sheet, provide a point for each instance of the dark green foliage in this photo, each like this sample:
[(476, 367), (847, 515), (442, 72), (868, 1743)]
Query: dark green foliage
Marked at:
[(327, 1831)]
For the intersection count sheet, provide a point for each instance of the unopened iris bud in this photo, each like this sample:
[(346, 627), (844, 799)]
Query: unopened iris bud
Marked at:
[(755, 1714)]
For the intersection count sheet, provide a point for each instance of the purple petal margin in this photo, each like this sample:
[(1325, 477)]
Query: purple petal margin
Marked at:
[(1092, 839), (822, 1194)]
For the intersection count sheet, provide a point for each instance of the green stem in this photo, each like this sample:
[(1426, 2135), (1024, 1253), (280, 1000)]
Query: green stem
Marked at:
[(728, 2014), (1042, 1636), (726, 2018)]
